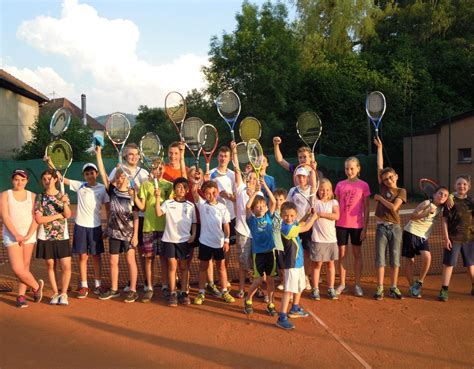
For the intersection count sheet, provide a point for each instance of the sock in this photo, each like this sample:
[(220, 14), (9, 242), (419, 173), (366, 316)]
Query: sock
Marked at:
[(445, 288), (201, 290), (84, 284), (165, 286), (394, 286), (420, 282), (97, 283), (224, 290)]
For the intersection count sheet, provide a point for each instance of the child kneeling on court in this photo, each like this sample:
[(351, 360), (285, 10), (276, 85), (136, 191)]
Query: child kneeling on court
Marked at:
[(214, 237), (180, 231), (260, 222), (294, 282)]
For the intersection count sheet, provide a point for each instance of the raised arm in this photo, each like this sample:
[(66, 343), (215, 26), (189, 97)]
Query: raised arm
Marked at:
[(158, 210), (378, 143), (101, 167), (248, 207), (235, 163), (278, 156), (182, 163), (271, 198), (306, 225)]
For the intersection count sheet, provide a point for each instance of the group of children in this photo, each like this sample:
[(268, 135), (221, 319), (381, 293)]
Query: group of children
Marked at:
[(174, 209)]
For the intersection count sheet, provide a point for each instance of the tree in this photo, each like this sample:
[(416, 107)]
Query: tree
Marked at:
[(78, 136)]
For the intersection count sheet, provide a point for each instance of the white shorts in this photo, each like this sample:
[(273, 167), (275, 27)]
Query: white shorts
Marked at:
[(9, 240), (295, 280)]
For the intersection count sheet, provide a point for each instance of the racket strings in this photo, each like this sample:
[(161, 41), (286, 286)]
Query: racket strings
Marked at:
[(375, 105), (242, 153), (208, 138), (309, 127), (228, 104), (250, 128), (58, 126), (60, 153), (175, 107), (190, 133), (117, 128)]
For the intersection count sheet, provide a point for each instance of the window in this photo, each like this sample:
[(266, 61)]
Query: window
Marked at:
[(464, 156)]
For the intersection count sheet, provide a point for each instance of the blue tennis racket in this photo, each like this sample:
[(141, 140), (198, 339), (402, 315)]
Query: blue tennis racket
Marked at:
[(228, 107), (375, 105)]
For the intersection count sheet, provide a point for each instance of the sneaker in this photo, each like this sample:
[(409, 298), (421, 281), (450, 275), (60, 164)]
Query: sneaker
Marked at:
[(165, 293), (97, 290), (285, 324), (248, 308), (395, 293), (38, 294), (443, 295), (271, 309), (341, 289), (298, 313), (109, 294), (127, 287), (314, 295), (63, 299), (199, 299), (227, 297), (132, 297), (332, 294), (82, 293), (183, 298), (280, 287), (146, 288), (415, 290), (358, 291), (259, 293), (54, 299), (213, 290), (308, 284), (173, 300), (379, 293), (21, 302), (241, 294), (148, 296)]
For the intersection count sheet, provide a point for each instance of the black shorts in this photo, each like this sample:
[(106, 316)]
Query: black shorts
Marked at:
[(140, 230), (280, 259), (232, 232), (264, 263), (412, 245), (118, 246), (180, 251), (53, 249), (343, 233), (87, 240), (206, 253), (306, 239)]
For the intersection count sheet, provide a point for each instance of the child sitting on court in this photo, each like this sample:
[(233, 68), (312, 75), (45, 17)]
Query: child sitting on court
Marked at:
[(389, 232), (324, 241), (214, 237), (260, 221), (180, 231), (293, 262), (415, 237)]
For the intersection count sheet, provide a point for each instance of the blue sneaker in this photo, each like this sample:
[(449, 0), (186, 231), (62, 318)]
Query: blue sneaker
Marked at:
[(285, 324), (298, 313)]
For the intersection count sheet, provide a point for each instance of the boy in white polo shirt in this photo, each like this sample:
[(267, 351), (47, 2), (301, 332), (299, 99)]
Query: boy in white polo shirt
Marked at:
[(88, 227)]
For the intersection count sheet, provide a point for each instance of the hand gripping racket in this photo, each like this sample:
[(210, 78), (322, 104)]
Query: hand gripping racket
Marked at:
[(250, 127), (208, 139), (175, 106), (151, 153), (228, 107), (375, 106), (309, 128)]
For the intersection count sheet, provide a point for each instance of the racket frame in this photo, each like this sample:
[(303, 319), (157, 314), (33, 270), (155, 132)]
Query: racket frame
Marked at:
[(62, 171), (230, 121), (208, 154), (375, 120), (312, 196), (176, 123), (253, 144), (256, 122), (195, 153), (154, 161), (55, 117), (312, 145), (421, 183)]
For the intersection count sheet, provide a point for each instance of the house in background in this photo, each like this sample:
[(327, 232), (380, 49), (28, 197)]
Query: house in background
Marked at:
[(441, 153), (19, 107)]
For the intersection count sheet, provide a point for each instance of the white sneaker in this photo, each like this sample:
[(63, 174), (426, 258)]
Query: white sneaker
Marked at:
[(63, 300), (54, 299), (341, 289), (308, 284), (358, 291)]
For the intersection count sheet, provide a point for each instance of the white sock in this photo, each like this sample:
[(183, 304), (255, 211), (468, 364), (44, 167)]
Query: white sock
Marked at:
[(97, 282), (84, 284)]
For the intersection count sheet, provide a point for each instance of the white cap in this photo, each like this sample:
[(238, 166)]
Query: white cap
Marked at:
[(89, 165), (302, 171)]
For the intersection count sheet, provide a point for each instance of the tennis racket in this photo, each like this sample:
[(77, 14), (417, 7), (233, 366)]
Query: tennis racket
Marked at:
[(190, 134), (151, 153), (175, 106), (309, 128), (255, 155), (375, 106), (242, 155), (228, 107), (428, 186), (303, 194), (59, 122), (250, 127), (208, 139), (59, 153)]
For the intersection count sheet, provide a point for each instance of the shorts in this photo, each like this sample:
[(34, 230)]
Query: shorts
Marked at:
[(450, 257), (232, 239), (306, 239), (343, 233), (412, 245), (151, 244), (9, 240), (280, 259), (180, 251), (388, 235), (118, 246), (244, 248), (53, 249), (87, 240), (140, 230), (207, 253), (324, 251), (295, 280), (264, 263)]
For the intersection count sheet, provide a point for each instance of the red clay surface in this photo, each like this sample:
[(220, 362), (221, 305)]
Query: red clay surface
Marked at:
[(111, 334)]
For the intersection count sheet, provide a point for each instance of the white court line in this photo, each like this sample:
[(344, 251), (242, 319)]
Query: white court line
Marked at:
[(340, 340)]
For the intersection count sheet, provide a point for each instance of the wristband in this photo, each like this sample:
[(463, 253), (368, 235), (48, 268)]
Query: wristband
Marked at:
[(226, 240)]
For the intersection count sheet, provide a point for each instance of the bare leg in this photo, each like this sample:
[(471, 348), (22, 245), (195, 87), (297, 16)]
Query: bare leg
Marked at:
[(342, 265), (114, 271), (331, 274), (65, 273), (425, 264), (132, 269), (357, 252), (52, 275), (409, 264), (172, 266)]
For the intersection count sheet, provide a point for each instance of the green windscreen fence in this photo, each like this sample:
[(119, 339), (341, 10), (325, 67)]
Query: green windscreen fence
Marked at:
[(332, 167)]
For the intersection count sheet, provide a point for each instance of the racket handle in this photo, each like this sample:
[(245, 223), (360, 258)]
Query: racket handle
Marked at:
[(232, 134), (155, 182), (61, 186), (312, 157), (377, 132), (207, 167)]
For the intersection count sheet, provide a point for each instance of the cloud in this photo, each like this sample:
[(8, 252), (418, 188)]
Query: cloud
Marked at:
[(102, 52)]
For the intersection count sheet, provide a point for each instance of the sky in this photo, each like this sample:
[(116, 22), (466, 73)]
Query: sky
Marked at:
[(120, 53)]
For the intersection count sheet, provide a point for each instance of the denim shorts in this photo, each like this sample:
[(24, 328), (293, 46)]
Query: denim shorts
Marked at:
[(388, 236)]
